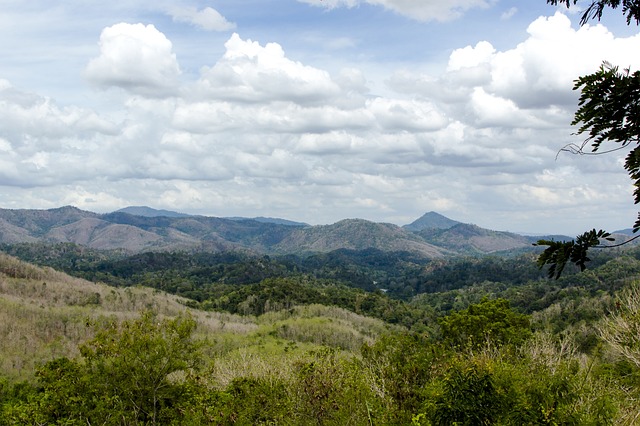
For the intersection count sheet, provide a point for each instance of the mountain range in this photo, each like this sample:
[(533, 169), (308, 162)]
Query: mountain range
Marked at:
[(138, 229)]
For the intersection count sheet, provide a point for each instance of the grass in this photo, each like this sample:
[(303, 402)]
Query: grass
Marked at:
[(45, 314)]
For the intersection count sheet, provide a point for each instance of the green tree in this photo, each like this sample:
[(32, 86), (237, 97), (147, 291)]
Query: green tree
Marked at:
[(469, 396), (608, 112), (400, 367), (489, 320), (630, 8), (130, 374), (331, 390), (256, 401), (134, 362)]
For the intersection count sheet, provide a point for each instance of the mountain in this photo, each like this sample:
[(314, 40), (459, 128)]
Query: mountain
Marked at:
[(431, 236), (150, 212), (356, 234), (472, 239), (431, 220), (464, 238), (36, 223), (628, 232), (275, 220)]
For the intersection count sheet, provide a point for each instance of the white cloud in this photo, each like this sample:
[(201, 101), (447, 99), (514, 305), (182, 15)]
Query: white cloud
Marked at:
[(261, 131), (471, 57), (427, 10), (535, 75), (26, 118), (541, 70), (136, 58), (336, 142), (494, 111), (413, 115), (257, 119), (508, 14), (249, 72), (207, 19)]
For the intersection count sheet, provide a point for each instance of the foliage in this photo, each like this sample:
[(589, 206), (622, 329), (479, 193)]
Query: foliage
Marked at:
[(484, 367), (630, 8), (400, 366), (422, 384), (331, 390), (401, 378), (256, 401), (621, 330), (284, 293), (608, 111), (488, 321), (559, 253), (468, 396), (130, 375)]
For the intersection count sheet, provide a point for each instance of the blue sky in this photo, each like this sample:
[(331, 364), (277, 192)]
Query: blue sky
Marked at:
[(309, 110)]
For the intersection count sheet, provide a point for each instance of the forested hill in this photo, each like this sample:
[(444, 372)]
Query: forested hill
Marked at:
[(432, 236), (268, 339), (276, 336)]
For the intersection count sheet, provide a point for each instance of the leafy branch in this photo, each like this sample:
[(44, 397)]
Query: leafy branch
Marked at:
[(609, 111), (630, 9), (559, 253)]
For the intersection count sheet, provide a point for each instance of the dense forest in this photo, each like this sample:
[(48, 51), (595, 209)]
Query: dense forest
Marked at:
[(347, 337)]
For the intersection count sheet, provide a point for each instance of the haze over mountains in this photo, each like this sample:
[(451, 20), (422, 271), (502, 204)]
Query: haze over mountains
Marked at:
[(139, 229)]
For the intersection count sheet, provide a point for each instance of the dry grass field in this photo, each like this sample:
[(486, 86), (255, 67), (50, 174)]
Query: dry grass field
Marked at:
[(46, 314)]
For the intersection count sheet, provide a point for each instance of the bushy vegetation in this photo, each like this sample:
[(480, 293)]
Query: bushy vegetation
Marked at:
[(150, 370), (298, 349)]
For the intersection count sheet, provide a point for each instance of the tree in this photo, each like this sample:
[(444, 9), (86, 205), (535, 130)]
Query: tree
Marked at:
[(134, 372), (621, 329), (630, 8), (489, 320), (608, 112), (134, 363)]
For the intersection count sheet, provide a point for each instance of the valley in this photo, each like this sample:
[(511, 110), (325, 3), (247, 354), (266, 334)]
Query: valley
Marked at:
[(280, 323)]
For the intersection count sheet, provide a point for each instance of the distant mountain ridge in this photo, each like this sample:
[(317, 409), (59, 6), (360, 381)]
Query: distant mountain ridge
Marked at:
[(472, 239), (275, 220), (357, 234), (431, 236), (150, 212), (431, 220)]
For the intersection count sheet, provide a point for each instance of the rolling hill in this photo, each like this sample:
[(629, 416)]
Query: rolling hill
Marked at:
[(46, 314), (472, 239), (431, 236), (356, 234)]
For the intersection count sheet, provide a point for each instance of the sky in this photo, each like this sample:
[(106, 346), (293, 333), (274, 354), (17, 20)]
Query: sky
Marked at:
[(310, 110)]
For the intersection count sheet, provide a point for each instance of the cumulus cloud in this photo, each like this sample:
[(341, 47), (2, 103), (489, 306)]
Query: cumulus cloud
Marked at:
[(534, 75), (428, 10), (249, 72), (471, 57), (257, 118), (207, 19), (137, 58), (408, 115), (261, 132), (26, 117)]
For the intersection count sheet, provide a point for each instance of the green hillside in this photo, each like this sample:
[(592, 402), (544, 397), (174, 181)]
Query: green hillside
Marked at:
[(286, 347)]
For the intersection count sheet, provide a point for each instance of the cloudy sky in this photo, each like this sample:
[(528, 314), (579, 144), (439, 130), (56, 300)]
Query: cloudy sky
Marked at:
[(309, 110)]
